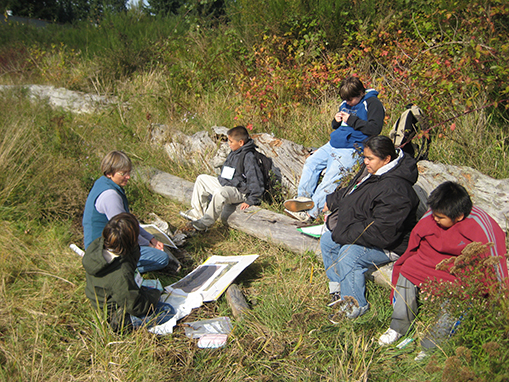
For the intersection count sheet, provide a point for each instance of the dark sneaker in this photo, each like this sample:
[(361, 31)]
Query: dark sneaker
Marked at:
[(347, 309), (334, 298), (192, 228), (300, 203)]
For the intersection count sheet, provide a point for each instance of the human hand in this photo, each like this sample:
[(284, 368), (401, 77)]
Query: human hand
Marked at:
[(344, 116), (337, 117), (325, 208), (154, 243), (244, 206)]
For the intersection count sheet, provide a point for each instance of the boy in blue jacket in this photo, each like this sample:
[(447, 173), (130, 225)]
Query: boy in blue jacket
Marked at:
[(360, 116)]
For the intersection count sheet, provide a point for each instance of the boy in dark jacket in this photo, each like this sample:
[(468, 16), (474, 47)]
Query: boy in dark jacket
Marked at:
[(110, 262), (233, 186)]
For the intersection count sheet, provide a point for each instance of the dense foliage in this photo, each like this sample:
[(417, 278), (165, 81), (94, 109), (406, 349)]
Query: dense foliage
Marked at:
[(276, 56), (63, 11)]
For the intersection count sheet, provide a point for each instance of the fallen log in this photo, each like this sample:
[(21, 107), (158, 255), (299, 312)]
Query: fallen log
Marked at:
[(236, 300), (490, 194), (261, 223), (264, 224)]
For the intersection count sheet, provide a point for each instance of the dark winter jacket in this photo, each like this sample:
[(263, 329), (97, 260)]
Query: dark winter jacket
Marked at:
[(380, 212), (250, 182), (366, 119), (113, 283)]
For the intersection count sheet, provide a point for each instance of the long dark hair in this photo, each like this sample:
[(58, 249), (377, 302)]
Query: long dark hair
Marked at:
[(381, 147)]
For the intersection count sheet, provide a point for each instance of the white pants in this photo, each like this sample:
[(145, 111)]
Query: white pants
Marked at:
[(208, 187)]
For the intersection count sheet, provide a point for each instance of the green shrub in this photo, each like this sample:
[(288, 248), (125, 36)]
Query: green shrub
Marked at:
[(479, 301)]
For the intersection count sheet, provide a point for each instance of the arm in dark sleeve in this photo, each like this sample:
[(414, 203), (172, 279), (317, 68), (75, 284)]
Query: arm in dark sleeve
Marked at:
[(333, 199), (137, 301), (254, 180), (376, 115)]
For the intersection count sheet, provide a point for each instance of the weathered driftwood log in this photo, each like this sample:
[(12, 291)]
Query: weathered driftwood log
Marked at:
[(236, 300), (490, 194), (288, 157), (266, 225), (263, 224), (61, 98)]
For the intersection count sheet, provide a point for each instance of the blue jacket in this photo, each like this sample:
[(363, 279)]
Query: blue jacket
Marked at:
[(366, 119), (93, 221)]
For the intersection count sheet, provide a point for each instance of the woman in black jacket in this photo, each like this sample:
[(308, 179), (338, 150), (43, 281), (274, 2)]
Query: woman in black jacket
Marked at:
[(370, 222)]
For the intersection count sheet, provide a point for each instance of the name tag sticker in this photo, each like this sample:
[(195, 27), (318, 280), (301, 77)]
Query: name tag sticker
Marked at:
[(228, 172)]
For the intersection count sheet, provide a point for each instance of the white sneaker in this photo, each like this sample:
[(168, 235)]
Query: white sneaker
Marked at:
[(301, 216), (190, 215), (420, 356), (389, 337), (300, 203)]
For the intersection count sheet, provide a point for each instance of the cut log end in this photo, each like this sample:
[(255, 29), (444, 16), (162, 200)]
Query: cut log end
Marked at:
[(236, 300)]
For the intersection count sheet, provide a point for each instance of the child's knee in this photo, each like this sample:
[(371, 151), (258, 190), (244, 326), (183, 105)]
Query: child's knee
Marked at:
[(221, 192)]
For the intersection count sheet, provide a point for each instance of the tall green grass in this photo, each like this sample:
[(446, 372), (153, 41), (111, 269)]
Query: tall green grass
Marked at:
[(49, 159)]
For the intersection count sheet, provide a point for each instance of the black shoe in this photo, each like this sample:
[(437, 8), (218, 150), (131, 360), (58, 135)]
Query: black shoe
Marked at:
[(334, 298)]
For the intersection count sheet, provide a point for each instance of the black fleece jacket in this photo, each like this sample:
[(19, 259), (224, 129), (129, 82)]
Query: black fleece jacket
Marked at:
[(380, 212)]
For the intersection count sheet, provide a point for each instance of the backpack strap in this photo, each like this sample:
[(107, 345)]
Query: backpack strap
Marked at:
[(240, 163)]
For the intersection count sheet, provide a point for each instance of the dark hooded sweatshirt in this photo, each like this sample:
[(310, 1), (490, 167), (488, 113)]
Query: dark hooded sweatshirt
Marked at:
[(250, 182), (380, 212), (113, 283)]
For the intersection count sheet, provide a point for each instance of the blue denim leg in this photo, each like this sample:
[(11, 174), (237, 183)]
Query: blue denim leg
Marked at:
[(151, 259), (330, 249), (352, 261), (339, 162), (161, 314), (312, 169)]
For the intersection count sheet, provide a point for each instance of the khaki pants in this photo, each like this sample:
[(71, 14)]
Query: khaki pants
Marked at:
[(209, 198)]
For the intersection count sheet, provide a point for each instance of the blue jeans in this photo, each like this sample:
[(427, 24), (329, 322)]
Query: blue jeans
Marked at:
[(152, 259), (162, 313), (336, 162), (345, 266)]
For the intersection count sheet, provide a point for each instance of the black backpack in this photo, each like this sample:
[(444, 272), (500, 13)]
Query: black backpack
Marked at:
[(271, 175), (406, 133)]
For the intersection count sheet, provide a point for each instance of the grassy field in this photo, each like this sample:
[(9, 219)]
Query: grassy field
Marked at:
[(190, 79), (49, 159)]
